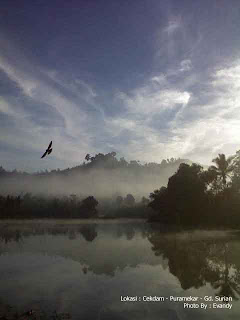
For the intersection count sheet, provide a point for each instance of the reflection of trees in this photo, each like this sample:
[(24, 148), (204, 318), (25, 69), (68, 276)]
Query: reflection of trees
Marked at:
[(228, 284), (185, 262), (127, 230), (88, 232), (7, 236), (72, 234), (102, 249), (130, 232), (198, 261)]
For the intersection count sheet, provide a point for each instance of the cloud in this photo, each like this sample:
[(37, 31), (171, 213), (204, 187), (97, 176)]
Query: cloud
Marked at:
[(179, 44), (174, 23), (185, 65), (39, 90), (216, 125), (160, 79), (162, 120), (135, 131), (151, 99)]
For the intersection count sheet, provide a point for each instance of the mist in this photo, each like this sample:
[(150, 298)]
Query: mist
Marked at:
[(104, 177)]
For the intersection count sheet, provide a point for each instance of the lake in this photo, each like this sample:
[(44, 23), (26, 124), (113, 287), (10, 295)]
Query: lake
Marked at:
[(92, 269)]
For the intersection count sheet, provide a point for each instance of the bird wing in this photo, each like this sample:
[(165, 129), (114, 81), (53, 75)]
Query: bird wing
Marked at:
[(50, 144), (44, 154), (49, 151)]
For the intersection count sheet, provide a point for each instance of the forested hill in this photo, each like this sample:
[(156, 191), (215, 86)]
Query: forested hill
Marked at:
[(102, 175)]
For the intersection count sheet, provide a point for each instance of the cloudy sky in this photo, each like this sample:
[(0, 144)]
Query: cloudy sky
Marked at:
[(147, 79)]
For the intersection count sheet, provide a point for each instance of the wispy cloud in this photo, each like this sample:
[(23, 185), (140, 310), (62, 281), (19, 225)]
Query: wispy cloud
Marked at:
[(163, 121), (155, 97), (183, 104), (37, 91), (174, 23)]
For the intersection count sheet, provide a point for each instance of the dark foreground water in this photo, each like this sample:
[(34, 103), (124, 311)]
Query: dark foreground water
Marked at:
[(84, 268)]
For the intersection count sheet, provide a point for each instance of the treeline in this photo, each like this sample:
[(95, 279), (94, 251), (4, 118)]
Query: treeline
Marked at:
[(36, 206), (29, 206), (197, 197), (124, 207)]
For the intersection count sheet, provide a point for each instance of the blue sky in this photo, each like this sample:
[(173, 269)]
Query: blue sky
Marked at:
[(147, 79)]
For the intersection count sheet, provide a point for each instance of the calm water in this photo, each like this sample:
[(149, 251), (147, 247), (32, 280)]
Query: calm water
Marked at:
[(84, 268)]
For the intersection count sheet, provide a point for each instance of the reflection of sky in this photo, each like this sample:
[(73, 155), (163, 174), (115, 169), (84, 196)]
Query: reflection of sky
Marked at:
[(47, 270)]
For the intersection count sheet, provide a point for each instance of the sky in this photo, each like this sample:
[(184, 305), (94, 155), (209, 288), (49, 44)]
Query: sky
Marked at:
[(147, 79)]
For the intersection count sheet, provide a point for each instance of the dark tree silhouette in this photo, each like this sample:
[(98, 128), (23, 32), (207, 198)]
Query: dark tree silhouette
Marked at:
[(145, 201), (88, 207), (179, 202), (223, 167), (119, 201), (129, 200)]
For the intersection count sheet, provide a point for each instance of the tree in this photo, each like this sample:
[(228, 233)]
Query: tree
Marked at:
[(156, 193), (119, 201), (145, 201), (212, 183), (186, 190), (129, 200), (208, 176), (181, 198), (2, 171), (123, 163), (236, 172), (160, 205), (73, 199), (88, 207), (223, 167)]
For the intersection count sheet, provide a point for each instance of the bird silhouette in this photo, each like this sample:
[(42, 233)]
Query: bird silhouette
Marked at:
[(48, 151)]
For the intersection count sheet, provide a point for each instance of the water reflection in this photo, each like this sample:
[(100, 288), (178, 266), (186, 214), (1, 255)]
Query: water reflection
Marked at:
[(84, 267), (17, 233), (117, 243), (198, 258)]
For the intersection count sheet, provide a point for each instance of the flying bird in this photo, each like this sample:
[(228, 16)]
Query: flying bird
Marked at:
[(48, 151)]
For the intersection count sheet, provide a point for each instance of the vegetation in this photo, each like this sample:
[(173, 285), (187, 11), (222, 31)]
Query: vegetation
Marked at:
[(198, 197), (30, 206)]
